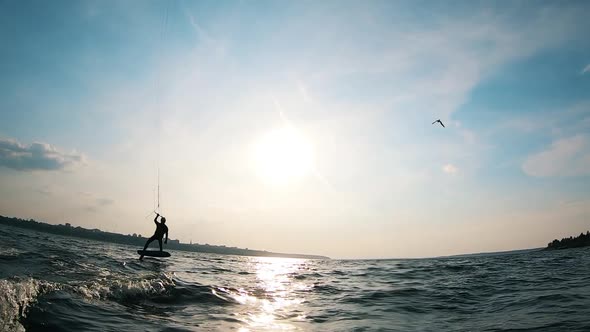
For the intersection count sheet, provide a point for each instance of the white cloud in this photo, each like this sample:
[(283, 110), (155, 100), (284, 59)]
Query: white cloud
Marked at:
[(304, 92), (568, 121), (104, 201), (99, 203), (586, 69), (565, 157), (37, 156), (451, 57), (45, 190), (450, 169)]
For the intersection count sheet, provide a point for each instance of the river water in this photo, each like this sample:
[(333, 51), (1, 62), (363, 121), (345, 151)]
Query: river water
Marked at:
[(56, 283)]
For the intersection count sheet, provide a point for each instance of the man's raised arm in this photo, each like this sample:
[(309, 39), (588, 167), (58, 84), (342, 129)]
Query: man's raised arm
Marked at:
[(156, 218)]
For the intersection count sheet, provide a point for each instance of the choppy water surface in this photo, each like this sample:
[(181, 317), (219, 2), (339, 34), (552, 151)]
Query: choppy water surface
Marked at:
[(54, 283)]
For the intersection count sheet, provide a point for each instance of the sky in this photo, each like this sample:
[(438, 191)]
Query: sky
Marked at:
[(302, 126)]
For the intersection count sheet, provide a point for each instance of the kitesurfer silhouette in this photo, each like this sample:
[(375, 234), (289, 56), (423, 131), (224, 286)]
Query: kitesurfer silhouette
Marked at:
[(161, 229)]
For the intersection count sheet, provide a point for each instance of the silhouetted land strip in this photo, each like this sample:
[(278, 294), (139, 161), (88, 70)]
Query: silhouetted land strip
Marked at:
[(583, 240), (139, 241)]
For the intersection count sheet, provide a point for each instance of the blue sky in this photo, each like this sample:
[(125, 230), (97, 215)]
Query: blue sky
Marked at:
[(95, 95)]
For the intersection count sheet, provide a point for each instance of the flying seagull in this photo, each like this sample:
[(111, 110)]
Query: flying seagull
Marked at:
[(439, 122)]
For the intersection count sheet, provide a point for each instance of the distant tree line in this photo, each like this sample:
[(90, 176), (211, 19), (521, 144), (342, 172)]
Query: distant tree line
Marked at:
[(582, 240), (138, 240)]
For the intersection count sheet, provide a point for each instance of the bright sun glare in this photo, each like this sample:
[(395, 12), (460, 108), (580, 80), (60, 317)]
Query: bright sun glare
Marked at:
[(283, 155)]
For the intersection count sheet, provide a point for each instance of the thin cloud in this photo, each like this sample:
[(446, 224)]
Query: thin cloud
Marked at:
[(565, 157), (46, 191), (586, 69), (91, 209), (450, 169), (99, 203), (36, 157), (303, 91), (203, 35), (568, 121), (104, 201), (279, 108)]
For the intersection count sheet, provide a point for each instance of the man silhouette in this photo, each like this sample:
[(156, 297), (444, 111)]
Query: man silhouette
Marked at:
[(161, 229)]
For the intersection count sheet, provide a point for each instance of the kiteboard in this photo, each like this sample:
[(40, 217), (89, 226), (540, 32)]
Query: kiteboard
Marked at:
[(153, 253)]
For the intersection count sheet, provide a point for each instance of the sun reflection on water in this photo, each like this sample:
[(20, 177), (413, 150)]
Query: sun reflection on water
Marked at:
[(272, 304)]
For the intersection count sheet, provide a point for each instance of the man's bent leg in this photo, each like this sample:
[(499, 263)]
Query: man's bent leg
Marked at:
[(148, 242), (160, 243)]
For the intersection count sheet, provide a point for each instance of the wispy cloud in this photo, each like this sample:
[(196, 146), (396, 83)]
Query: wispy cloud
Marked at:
[(99, 203), (450, 69), (586, 69), (565, 157), (303, 90), (45, 190), (104, 201), (450, 169), (569, 121), (204, 37), (36, 157)]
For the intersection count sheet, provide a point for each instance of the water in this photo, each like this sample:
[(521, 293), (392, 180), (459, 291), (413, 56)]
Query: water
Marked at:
[(54, 283)]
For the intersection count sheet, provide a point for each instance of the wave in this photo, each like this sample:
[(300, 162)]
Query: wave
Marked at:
[(123, 289), (10, 254), (161, 289), (16, 296)]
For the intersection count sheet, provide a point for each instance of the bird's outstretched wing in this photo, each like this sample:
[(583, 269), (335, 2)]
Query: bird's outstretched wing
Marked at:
[(439, 122)]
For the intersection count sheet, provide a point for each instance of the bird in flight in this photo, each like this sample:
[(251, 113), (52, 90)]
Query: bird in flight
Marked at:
[(439, 122)]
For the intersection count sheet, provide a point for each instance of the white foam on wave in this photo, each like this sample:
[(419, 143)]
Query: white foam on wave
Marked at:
[(15, 297), (10, 252), (121, 289)]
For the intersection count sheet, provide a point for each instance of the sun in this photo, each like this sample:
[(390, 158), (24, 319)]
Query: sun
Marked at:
[(283, 155)]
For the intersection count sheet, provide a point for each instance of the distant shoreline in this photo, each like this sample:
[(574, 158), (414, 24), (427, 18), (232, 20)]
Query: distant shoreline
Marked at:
[(139, 241), (582, 240)]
